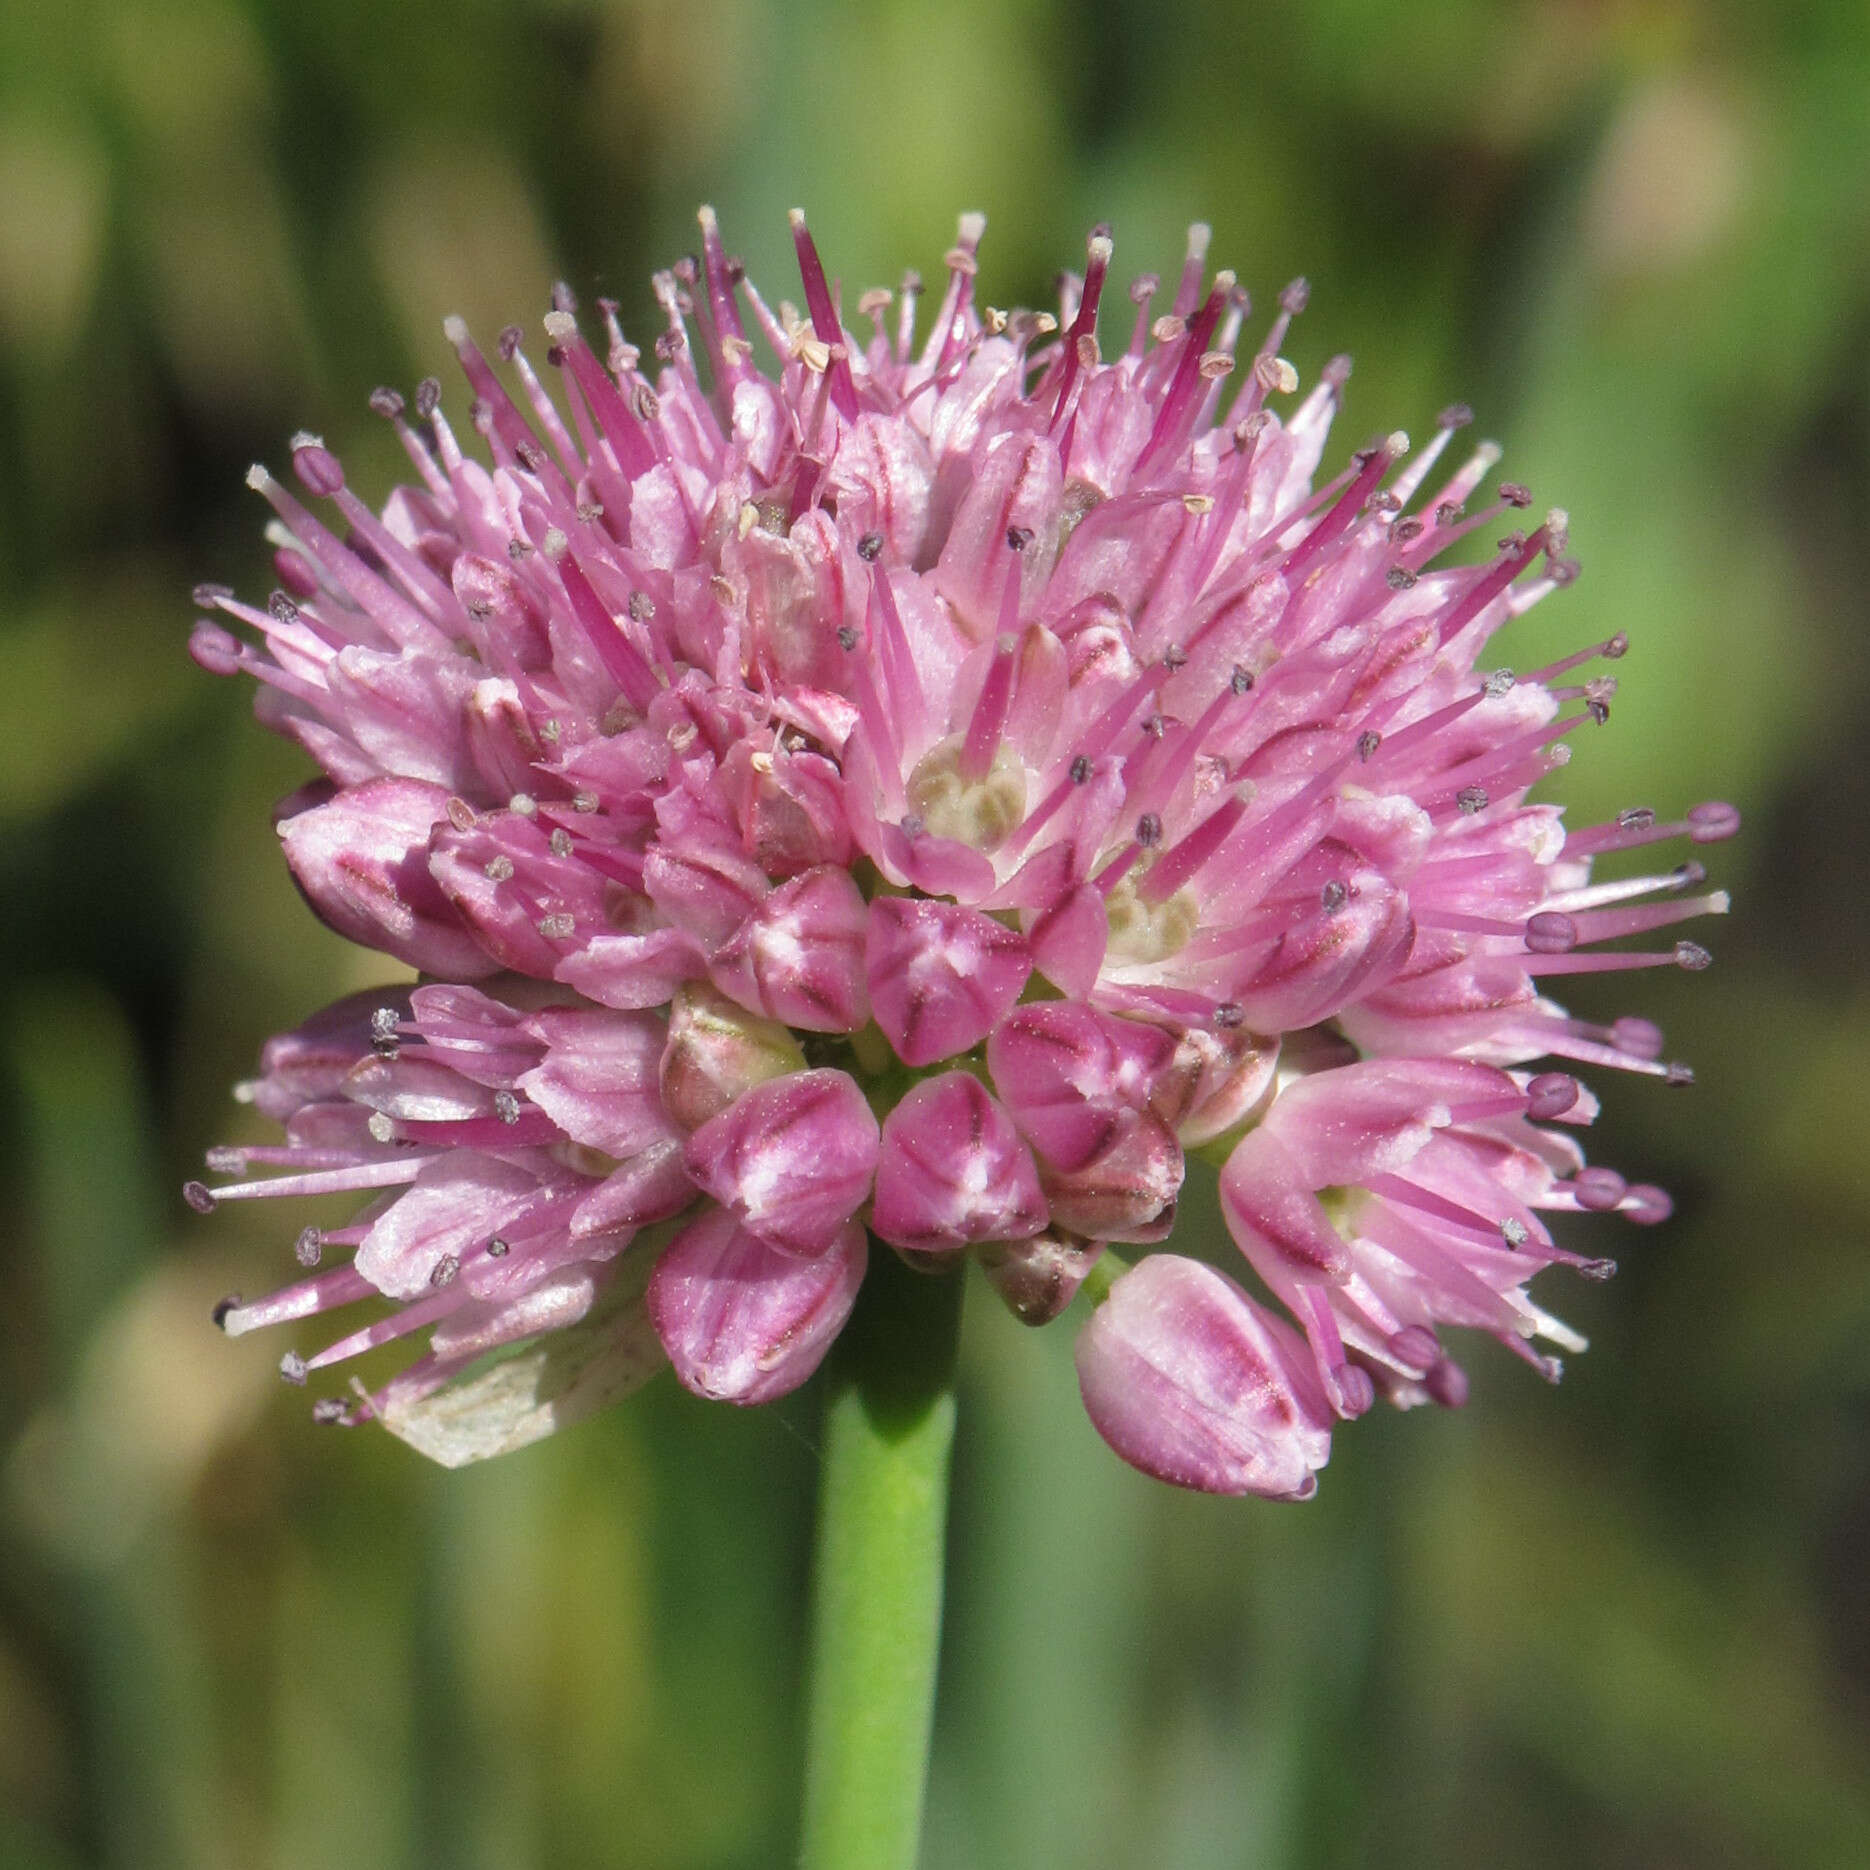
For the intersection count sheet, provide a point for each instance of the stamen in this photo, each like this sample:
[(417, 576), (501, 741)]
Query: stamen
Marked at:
[(383, 1174), (996, 698), (1084, 326)]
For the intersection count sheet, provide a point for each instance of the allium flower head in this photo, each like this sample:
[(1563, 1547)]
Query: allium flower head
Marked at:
[(838, 790)]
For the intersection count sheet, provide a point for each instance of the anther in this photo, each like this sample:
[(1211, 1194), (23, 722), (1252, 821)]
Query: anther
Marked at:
[(641, 607), (584, 802), (328, 1411), (1241, 681), (1551, 932), (1677, 1075), (1368, 742), (1617, 648), (381, 1126), (1498, 682), (199, 1196), (499, 869), (1455, 416), (847, 637), (224, 1159), (1513, 1232), (498, 1249), (559, 927), (1174, 657), (1229, 1014), (1275, 375), (386, 402), (1598, 1190), (1692, 956), (292, 1368), (560, 841), (870, 547), (1399, 577), (1515, 493), (1018, 538), (428, 397), (1471, 799), (1636, 818), (523, 803), (309, 1248), (444, 1271), (1149, 831), (283, 609), (1332, 897), (1080, 770), (1294, 297), (212, 596), (1712, 822), (461, 814), (231, 1303)]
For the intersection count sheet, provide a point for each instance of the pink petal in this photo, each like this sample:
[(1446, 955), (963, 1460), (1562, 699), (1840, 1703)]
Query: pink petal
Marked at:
[(954, 1170), (631, 970), (800, 957), (941, 976), (1128, 1190), (1069, 940), (1189, 1380), (792, 1158), (362, 860), (1280, 1223), (744, 1322), (650, 1186), (1331, 960), (598, 1080), (456, 1205), (1069, 1073)]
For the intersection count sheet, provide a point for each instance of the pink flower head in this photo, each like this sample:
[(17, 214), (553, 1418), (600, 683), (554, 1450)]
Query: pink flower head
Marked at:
[(843, 789)]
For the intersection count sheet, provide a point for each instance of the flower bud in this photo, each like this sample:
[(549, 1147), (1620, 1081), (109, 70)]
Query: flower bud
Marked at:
[(1127, 1191), (744, 1322), (800, 956), (941, 977), (362, 860), (953, 1170), (792, 1158), (1039, 1276), (716, 1050), (1189, 1380)]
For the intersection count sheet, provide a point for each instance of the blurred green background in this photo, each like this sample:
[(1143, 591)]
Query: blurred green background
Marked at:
[(1622, 1624)]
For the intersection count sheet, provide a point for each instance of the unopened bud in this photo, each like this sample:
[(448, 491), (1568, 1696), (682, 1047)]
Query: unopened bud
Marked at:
[(715, 1051)]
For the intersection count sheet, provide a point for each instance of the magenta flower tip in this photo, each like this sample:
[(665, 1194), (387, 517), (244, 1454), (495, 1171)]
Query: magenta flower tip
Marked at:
[(839, 788)]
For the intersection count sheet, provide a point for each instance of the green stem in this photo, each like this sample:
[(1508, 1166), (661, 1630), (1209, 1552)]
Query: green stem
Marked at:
[(877, 1592)]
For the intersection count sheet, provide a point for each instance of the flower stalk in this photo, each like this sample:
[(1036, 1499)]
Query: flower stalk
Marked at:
[(877, 1570)]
